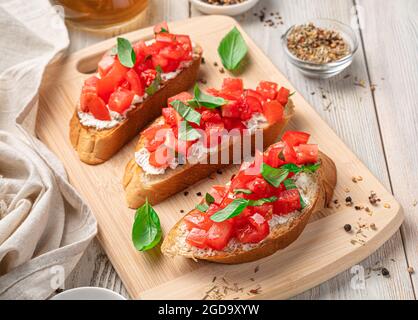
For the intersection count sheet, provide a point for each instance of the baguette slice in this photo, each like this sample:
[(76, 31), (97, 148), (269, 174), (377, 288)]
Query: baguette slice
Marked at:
[(318, 188), (139, 186), (96, 146)]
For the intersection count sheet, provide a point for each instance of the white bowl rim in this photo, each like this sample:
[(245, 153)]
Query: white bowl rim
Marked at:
[(92, 289), (224, 7)]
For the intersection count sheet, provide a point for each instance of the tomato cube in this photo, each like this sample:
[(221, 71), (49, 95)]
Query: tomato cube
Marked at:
[(197, 219), (108, 84), (135, 82), (267, 89), (197, 238), (120, 100), (94, 104), (307, 153), (219, 235), (283, 96), (295, 138), (105, 64), (233, 85), (231, 110), (288, 201), (273, 111)]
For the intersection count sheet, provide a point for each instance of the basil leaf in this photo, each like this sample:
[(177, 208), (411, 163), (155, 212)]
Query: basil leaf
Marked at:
[(187, 132), (231, 210), (163, 30), (311, 167), (302, 203), (202, 99), (260, 202), (305, 168), (155, 85), (209, 198), (291, 167), (274, 176), (245, 191), (289, 184), (202, 207), (292, 93), (186, 112), (126, 53), (146, 230), (232, 49)]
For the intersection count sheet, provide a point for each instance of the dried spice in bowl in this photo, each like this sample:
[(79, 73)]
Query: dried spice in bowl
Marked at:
[(223, 2), (317, 45)]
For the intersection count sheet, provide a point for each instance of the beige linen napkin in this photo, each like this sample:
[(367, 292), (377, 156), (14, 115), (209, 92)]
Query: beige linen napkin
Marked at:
[(44, 225)]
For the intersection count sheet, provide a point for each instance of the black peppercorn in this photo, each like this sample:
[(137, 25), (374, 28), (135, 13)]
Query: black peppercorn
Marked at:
[(385, 272), (199, 194), (347, 227), (348, 199), (186, 193)]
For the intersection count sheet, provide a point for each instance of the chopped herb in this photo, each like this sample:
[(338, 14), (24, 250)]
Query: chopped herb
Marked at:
[(186, 112), (209, 198), (232, 49), (244, 191), (163, 30), (202, 99), (202, 207), (126, 53), (260, 202), (187, 132), (274, 176)]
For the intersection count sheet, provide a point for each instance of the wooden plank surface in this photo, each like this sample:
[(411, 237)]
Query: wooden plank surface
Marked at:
[(351, 113)]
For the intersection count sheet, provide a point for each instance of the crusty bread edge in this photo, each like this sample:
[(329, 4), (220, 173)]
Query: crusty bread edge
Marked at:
[(96, 146), (137, 190), (280, 237)]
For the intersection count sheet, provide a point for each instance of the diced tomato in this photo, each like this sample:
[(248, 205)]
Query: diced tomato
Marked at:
[(219, 235), (231, 109), (197, 219), (160, 157), (171, 116), (182, 96), (255, 94), (158, 60), (267, 89), (233, 87), (108, 84), (283, 96), (197, 238), (288, 201), (274, 155), (218, 193), (148, 76), (135, 82), (120, 100), (240, 181), (256, 231), (210, 116), (254, 105), (150, 132), (214, 132), (91, 82), (152, 144), (266, 210), (273, 111), (295, 138), (105, 64), (185, 42), (173, 52), (94, 104), (231, 123), (289, 154), (212, 209), (307, 153), (161, 27), (259, 186)]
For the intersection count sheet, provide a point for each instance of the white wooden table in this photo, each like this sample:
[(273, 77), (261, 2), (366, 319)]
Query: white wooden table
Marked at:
[(373, 107)]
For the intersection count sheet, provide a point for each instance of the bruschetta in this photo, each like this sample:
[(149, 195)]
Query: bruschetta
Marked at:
[(263, 208), (124, 96), (216, 122)]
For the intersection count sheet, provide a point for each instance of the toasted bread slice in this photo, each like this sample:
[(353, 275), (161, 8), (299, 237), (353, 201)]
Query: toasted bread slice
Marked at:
[(139, 185), (317, 188), (96, 146)]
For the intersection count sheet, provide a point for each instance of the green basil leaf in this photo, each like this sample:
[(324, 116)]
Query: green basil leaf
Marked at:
[(202, 99), (311, 167), (186, 112), (202, 207), (155, 84), (187, 132), (305, 168), (302, 203), (244, 191), (209, 198), (291, 167), (126, 53), (289, 184), (146, 230), (163, 30), (274, 176), (260, 202), (292, 93), (231, 210), (232, 49)]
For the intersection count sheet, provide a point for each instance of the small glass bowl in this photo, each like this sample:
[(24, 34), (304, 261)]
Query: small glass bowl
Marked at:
[(330, 69)]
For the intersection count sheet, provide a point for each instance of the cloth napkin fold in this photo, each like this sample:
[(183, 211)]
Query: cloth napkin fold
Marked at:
[(44, 225)]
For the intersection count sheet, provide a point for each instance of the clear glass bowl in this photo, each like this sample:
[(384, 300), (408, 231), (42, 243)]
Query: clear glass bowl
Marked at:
[(330, 69)]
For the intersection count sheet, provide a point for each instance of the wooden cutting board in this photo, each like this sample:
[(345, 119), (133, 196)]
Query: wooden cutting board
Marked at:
[(323, 250)]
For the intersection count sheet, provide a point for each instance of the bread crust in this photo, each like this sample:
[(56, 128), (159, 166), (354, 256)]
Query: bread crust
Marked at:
[(96, 146), (137, 189), (280, 237)]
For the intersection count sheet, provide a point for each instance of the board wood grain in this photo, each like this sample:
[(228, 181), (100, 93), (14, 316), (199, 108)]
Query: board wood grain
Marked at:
[(149, 275)]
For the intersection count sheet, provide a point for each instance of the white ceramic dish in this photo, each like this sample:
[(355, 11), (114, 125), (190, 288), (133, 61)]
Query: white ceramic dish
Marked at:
[(229, 10), (88, 293)]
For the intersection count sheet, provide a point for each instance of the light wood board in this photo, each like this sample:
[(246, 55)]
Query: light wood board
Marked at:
[(322, 251)]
